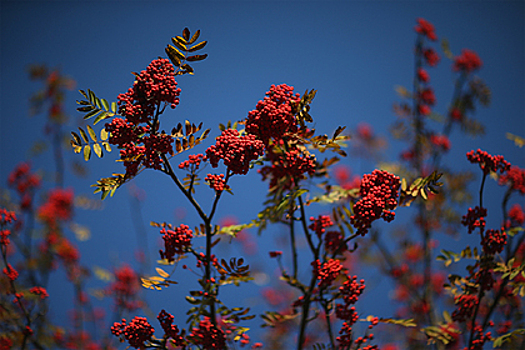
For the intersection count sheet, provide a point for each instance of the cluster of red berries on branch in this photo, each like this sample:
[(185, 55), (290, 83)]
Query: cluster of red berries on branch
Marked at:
[(515, 178), (272, 117), (208, 336), (320, 224), (59, 206), (235, 150), (24, 182), (466, 303), (217, 182), (152, 86), (170, 330), (287, 166), (379, 192), (193, 162), (494, 241), (475, 218), (125, 288), (425, 28), (139, 144), (136, 332), (327, 272), (488, 163), (176, 241), (467, 62)]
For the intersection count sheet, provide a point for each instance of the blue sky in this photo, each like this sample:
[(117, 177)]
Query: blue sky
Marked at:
[(354, 53)]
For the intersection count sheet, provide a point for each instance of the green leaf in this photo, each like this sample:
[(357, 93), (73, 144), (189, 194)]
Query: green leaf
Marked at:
[(114, 107)]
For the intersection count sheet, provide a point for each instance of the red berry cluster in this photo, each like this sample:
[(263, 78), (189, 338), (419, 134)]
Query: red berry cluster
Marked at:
[(208, 336), (24, 182), (272, 117), (171, 330), (287, 167), (136, 332), (193, 162), (67, 251), (175, 241), (516, 216), (456, 114), (468, 61), (236, 151), (350, 291), (328, 272), (39, 291), (431, 57), (494, 241), (10, 272), (487, 162), (216, 182), (466, 304), (318, 225), (125, 288), (515, 178), (422, 75), (474, 219), (59, 206), (480, 338), (154, 85), (7, 217), (334, 241), (124, 133), (427, 96), (440, 141), (154, 146), (425, 28), (379, 192)]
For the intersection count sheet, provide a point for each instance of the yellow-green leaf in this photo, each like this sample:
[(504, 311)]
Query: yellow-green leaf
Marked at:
[(92, 133), (196, 58), (107, 147), (76, 138), (174, 55), (98, 150), (84, 135), (179, 44), (103, 134), (87, 152), (186, 34), (194, 37), (162, 273), (198, 46)]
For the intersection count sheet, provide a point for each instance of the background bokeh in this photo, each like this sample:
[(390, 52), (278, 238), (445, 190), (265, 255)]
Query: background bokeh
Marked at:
[(354, 53)]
